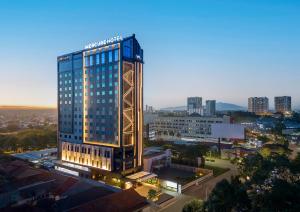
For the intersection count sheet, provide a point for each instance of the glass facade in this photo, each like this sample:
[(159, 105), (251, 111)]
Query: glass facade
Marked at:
[(101, 104)]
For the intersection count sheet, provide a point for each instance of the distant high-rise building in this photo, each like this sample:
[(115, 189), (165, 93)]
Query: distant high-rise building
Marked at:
[(258, 105), (210, 107), (283, 104), (149, 109), (100, 107), (194, 105)]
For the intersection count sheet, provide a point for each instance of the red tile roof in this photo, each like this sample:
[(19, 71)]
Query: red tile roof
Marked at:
[(124, 201), (65, 186)]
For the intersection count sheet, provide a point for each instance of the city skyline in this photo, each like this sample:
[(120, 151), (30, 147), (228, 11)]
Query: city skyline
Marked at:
[(229, 51)]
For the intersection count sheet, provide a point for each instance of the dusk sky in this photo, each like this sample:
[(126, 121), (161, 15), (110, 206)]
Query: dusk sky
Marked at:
[(226, 50)]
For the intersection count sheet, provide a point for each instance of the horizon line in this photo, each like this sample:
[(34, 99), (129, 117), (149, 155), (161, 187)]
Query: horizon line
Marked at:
[(29, 106)]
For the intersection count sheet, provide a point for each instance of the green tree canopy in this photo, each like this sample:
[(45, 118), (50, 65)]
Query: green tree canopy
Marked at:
[(193, 206), (228, 196)]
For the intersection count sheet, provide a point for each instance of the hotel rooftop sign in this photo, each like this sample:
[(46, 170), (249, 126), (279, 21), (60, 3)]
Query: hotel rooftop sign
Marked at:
[(103, 42)]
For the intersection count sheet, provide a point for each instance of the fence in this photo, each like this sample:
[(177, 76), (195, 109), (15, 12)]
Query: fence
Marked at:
[(207, 174)]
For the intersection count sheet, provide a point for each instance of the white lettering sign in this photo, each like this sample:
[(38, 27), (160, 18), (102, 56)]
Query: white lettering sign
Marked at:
[(103, 42)]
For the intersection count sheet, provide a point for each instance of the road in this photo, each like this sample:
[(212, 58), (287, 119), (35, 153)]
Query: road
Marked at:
[(203, 190), (178, 204)]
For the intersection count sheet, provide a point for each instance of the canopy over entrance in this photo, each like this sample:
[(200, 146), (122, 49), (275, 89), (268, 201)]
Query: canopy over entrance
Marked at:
[(141, 176)]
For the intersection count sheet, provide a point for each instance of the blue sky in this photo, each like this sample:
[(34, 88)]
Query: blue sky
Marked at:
[(225, 50)]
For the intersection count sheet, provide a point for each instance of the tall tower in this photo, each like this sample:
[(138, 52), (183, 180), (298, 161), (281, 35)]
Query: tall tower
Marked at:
[(283, 104), (210, 109), (100, 106), (258, 105), (194, 105)]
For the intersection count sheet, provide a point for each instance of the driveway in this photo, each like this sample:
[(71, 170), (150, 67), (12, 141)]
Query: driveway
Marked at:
[(203, 190), (178, 204)]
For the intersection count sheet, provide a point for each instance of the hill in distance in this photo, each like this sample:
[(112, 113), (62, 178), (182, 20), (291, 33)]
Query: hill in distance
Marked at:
[(220, 106)]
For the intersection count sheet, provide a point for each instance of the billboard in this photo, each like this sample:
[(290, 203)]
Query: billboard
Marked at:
[(229, 131)]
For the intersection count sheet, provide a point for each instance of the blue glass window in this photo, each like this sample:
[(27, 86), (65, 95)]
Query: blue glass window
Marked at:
[(87, 61), (102, 58), (97, 59), (127, 52), (116, 54), (110, 56), (77, 64), (91, 60)]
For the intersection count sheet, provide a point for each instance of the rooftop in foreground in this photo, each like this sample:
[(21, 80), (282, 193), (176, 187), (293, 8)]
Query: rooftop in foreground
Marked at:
[(126, 201), (56, 192)]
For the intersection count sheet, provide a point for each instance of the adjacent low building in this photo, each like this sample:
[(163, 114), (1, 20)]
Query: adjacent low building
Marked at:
[(155, 159), (26, 188)]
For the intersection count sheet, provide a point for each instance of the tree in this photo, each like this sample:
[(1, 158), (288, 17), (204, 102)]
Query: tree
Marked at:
[(29, 139), (250, 165), (263, 138), (152, 194), (228, 196), (193, 206), (266, 166), (274, 149), (295, 164), (296, 117), (279, 126), (273, 184), (283, 196), (265, 151)]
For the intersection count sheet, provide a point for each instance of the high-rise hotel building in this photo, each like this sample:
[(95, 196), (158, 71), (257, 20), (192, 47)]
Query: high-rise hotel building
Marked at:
[(100, 107)]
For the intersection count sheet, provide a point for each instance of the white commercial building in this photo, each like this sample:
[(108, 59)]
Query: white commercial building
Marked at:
[(229, 131), (198, 127)]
